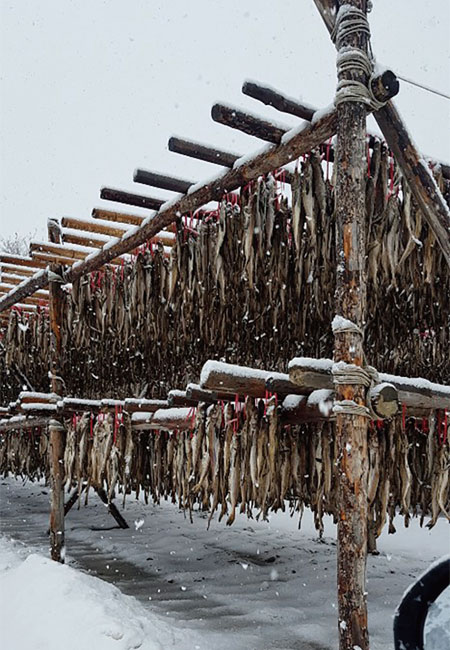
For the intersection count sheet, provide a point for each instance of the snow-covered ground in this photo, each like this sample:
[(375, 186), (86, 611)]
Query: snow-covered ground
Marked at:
[(254, 585)]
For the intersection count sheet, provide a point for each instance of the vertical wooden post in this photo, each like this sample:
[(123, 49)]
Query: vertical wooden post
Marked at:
[(351, 429), (56, 425)]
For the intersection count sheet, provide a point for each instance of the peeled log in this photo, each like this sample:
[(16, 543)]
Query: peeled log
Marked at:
[(312, 408), (135, 405), (179, 398), (384, 400), (22, 423), (228, 378), (167, 419), (282, 385), (416, 393)]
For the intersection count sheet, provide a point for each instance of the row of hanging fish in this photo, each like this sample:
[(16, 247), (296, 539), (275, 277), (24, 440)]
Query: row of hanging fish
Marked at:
[(245, 461), (253, 285)]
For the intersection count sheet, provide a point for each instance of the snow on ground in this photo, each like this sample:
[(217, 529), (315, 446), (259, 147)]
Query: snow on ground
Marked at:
[(47, 606), (255, 585)]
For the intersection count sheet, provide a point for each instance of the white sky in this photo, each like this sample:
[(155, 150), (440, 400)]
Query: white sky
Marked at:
[(90, 90)]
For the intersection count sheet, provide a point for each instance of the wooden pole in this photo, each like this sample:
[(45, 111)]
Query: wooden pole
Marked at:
[(56, 426), (119, 196), (351, 429), (247, 123), (413, 166), (162, 181)]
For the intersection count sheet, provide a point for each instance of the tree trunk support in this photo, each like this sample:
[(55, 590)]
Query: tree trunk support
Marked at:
[(351, 429), (56, 423)]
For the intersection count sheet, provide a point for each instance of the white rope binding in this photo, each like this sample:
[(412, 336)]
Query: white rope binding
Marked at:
[(353, 61), (349, 407)]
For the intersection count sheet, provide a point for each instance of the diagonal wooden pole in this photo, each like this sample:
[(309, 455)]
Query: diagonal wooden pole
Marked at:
[(351, 428)]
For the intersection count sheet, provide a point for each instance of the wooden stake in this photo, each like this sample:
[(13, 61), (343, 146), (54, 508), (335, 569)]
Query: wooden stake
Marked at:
[(56, 425), (351, 430)]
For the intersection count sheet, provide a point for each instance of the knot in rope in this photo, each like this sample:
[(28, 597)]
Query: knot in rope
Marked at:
[(352, 61)]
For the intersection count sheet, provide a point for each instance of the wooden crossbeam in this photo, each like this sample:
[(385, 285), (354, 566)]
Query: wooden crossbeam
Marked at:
[(119, 196), (16, 270), (247, 123), (202, 152), (93, 226), (293, 144), (162, 181), (273, 98), (120, 217), (19, 260), (59, 249)]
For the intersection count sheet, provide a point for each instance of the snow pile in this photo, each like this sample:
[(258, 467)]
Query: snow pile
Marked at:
[(45, 605)]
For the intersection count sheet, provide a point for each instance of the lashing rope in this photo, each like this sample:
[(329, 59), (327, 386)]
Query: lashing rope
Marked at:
[(352, 60)]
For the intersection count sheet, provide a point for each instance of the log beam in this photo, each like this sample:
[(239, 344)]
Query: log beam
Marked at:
[(22, 423), (169, 419), (129, 198), (415, 393), (247, 123), (315, 407), (271, 97), (93, 226), (179, 398), (59, 249), (162, 181), (19, 260), (202, 152), (293, 145)]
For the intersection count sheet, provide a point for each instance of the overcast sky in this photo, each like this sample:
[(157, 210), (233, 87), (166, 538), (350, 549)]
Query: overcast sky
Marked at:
[(90, 90)]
